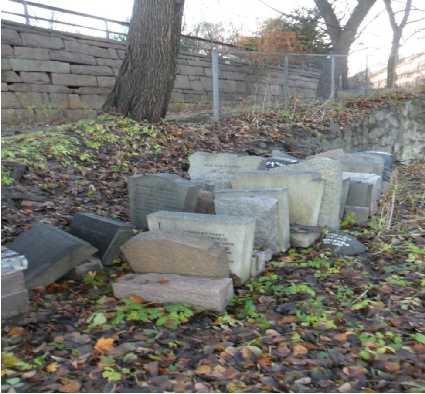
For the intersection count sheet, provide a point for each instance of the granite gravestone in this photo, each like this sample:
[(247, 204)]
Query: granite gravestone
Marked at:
[(343, 244), (388, 163), (201, 293), (364, 191), (175, 253), (51, 253), (235, 234), (305, 191), (151, 193), (263, 209), (331, 173), (106, 235), (282, 209)]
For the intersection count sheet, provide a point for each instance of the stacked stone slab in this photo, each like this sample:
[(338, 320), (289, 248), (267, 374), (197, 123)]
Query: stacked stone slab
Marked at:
[(234, 234), (305, 191), (263, 209), (363, 195), (281, 195), (151, 193)]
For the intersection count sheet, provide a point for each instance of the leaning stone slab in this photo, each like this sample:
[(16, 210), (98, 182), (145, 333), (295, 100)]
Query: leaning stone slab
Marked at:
[(259, 260), (364, 191), (263, 209), (51, 253), (305, 190), (278, 154), (281, 195), (235, 234), (93, 264), (151, 193), (175, 253), (345, 190), (202, 293), (331, 173), (203, 163), (105, 234), (388, 162), (343, 244)]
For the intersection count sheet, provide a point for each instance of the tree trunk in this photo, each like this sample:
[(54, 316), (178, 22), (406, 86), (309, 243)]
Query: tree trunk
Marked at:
[(393, 61), (146, 78)]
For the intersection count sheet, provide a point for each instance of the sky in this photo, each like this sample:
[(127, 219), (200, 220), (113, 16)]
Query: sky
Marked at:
[(371, 48)]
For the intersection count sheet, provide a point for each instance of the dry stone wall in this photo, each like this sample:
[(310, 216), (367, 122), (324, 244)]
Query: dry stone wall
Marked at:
[(49, 75)]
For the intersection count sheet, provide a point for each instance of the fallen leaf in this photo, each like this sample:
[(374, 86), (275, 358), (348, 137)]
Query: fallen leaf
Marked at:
[(265, 361), (343, 336), (300, 350), (104, 345), (52, 367), (70, 386), (354, 372), (392, 366), (203, 370), (16, 331), (136, 299), (162, 281)]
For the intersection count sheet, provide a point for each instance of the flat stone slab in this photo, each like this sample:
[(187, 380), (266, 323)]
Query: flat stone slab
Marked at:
[(51, 253), (234, 234), (305, 191), (202, 293), (14, 295), (281, 195), (176, 253), (203, 163), (289, 159), (151, 193), (331, 173), (263, 209), (106, 235), (343, 244), (364, 190), (12, 261), (388, 162), (12, 282)]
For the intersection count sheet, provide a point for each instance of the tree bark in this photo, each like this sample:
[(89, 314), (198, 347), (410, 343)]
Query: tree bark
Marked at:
[(341, 37), (146, 78), (395, 44)]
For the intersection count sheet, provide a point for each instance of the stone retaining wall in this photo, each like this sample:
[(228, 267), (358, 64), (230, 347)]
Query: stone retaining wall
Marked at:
[(50, 75)]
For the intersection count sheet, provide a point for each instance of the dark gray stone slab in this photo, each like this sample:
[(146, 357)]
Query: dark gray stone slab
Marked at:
[(343, 244), (388, 162), (152, 193), (51, 253), (105, 234)]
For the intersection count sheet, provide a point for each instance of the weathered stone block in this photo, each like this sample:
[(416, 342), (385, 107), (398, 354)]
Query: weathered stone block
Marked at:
[(31, 99), (9, 100), (364, 190), (5, 64), (304, 236), (39, 65), (106, 82), (74, 102), (281, 195), (78, 114), (173, 253), (14, 304), (34, 77), (92, 100), (263, 209), (235, 234), (59, 100), (27, 87), (6, 50), (331, 173), (74, 80), (108, 62), (305, 190), (91, 265), (90, 70), (202, 293), (10, 76), (32, 53), (151, 193), (41, 41), (9, 36), (92, 50), (72, 57)]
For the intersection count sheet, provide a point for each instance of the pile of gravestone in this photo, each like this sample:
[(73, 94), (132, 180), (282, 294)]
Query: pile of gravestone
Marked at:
[(191, 240)]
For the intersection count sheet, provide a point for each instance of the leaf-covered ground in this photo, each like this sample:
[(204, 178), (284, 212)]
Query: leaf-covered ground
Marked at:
[(311, 323)]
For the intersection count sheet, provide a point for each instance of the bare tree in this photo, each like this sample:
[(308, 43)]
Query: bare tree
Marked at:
[(342, 37), (143, 86), (395, 44)]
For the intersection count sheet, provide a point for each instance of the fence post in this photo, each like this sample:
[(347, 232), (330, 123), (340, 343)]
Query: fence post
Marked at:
[(286, 81), (215, 84), (332, 95), (27, 18), (107, 30)]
